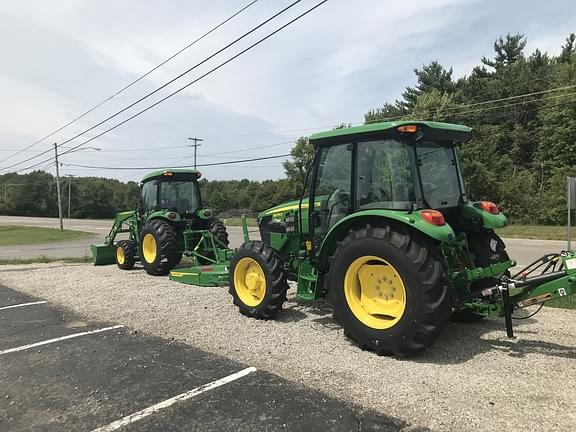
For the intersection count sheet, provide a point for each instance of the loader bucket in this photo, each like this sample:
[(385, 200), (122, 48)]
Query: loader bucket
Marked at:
[(207, 275), (103, 254)]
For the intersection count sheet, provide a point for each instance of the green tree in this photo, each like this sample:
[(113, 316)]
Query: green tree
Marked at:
[(430, 77), (302, 155), (509, 49)]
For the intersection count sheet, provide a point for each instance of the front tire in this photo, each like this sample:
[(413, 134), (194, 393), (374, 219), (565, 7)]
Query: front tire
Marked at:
[(125, 254), (389, 290), (158, 247), (258, 284)]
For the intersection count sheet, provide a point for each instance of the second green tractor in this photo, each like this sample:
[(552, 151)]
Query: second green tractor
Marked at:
[(168, 223)]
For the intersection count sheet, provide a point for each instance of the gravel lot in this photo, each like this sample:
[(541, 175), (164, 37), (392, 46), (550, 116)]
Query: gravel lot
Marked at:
[(471, 380)]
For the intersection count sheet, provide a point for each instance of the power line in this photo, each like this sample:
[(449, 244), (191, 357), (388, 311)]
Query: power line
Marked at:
[(180, 166), (140, 78), (217, 155), (165, 85), (488, 102), (530, 110)]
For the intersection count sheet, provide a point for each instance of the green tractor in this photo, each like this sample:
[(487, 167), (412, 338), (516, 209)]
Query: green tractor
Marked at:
[(385, 232), (168, 223)]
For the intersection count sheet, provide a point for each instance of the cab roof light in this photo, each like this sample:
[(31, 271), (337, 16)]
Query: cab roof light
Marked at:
[(490, 207), (407, 129), (434, 217), (168, 173), (198, 174)]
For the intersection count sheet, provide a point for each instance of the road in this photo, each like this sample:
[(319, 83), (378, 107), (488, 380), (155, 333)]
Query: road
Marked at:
[(523, 251), (77, 248), (144, 383)]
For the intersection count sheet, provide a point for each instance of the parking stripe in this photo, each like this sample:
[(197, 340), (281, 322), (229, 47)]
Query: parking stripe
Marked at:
[(139, 415), (50, 341), (22, 305)]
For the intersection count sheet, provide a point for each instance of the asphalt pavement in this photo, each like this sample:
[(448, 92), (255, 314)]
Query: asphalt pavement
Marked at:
[(522, 250), (62, 373)]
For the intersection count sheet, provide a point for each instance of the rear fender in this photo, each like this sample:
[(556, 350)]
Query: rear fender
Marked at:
[(443, 233), (473, 211)]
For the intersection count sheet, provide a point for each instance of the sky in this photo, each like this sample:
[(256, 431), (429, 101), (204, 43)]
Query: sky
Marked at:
[(62, 57)]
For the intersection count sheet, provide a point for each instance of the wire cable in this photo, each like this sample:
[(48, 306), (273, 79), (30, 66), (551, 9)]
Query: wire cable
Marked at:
[(166, 84), (180, 166), (140, 78), (211, 71), (573, 102)]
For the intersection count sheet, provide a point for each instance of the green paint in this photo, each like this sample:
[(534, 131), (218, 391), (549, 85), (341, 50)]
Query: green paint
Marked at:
[(385, 126), (472, 210), (162, 172), (207, 276)]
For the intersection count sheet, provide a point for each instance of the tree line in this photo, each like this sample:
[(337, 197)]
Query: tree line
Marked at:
[(522, 151)]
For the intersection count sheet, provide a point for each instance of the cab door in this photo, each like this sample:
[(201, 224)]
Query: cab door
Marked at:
[(331, 193)]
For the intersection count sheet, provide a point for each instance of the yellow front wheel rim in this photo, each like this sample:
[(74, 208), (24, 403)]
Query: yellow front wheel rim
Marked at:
[(249, 281), (120, 255), (375, 292), (149, 248)]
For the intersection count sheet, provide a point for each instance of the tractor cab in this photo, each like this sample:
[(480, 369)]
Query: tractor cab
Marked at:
[(172, 191), (404, 167)]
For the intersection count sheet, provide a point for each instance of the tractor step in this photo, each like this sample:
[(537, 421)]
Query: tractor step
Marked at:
[(206, 275)]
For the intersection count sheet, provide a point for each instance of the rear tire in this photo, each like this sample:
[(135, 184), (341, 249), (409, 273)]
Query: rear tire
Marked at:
[(397, 266), (125, 254), (258, 284), (158, 247), (218, 230)]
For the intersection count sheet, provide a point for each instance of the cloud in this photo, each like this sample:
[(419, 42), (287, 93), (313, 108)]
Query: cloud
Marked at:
[(61, 57)]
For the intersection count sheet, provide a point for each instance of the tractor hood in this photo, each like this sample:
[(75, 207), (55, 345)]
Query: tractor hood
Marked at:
[(282, 208)]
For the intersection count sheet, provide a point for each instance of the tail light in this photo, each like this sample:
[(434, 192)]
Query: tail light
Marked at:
[(172, 215), (407, 129), (489, 207), (434, 217)]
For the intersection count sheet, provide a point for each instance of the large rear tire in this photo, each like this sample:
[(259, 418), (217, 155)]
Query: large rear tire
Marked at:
[(158, 247), (389, 290), (258, 284)]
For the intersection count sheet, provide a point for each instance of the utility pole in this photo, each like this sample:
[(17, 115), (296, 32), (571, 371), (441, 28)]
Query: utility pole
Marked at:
[(195, 145), (58, 186)]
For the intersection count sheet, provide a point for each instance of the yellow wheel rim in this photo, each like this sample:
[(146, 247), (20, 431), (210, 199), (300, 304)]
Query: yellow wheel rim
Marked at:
[(249, 281), (149, 248), (375, 292), (120, 255)]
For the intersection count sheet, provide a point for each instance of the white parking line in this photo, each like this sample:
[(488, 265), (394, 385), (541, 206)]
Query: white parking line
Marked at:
[(49, 341), (139, 415), (22, 305)]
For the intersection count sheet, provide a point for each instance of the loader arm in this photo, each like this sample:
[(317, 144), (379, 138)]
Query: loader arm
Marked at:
[(104, 253), (128, 217)]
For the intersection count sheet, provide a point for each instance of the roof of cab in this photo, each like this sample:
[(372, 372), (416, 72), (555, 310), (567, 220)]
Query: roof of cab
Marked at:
[(383, 126), (161, 172)]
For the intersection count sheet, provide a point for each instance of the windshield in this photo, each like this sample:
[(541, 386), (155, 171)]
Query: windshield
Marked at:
[(439, 173), (180, 195), (384, 175)]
